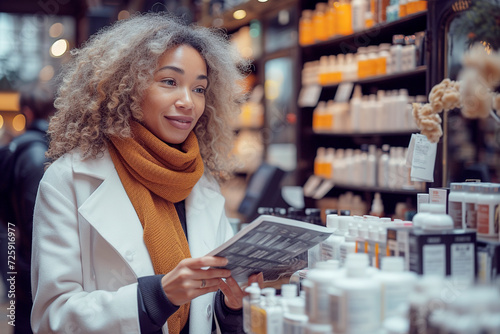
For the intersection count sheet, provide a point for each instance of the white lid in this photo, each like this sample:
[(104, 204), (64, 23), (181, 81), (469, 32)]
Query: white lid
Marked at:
[(343, 222), (289, 290), (332, 221), (358, 260), (431, 207), (396, 325), (326, 265), (393, 264), (254, 287), (296, 305), (269, 292), (254, 291)]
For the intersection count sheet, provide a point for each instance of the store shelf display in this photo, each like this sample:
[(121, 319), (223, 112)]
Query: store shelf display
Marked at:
[(384, 63)]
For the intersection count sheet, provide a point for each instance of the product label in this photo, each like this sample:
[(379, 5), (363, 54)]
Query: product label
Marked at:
[(274, 322), (483, 216), (404, 247), (393, 247), (327, 250), (258, 316), (488, 218), (484, 267), (319, 304), (455, 211), (424, 157), (393, 297), (363, 311), (434, 260), (462, 261), (336, 315), (293, 327), (470, 215)]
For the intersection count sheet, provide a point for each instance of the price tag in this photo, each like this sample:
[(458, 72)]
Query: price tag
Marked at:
[(344, 92), (309, 96), (423, 160)]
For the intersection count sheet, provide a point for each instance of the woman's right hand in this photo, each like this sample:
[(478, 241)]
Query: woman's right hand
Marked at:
[(188, 281)]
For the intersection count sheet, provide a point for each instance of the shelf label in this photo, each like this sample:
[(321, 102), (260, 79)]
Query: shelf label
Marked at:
[(309, 96), (423, 158), (344, 92)]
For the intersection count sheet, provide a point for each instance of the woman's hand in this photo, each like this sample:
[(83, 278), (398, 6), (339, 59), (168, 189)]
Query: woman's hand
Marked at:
[(233, 293), (188, 281)]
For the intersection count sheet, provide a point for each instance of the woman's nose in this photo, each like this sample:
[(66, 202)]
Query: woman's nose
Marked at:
[(185, 100)]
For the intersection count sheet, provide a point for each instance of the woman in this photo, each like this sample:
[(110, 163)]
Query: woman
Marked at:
[(139, 141)]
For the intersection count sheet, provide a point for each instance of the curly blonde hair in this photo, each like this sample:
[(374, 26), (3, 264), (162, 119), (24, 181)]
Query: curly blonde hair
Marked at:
[(104, 83)]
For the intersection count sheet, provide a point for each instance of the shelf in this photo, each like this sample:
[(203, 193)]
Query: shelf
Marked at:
[(248, 128), (377, 189), (421, 70), (311, 132), (378, 34)]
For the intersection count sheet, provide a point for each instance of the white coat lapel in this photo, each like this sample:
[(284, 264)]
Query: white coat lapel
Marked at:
[(111, 213), (204, 207)]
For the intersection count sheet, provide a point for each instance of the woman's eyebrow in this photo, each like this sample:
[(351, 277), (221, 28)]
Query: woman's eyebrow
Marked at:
[(181, 71)]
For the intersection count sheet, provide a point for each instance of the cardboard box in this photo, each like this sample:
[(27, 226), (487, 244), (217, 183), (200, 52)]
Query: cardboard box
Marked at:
[(443, 253), (397, 243), (488, 260), (439, 196)]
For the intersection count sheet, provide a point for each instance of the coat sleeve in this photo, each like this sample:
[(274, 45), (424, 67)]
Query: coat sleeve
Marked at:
[(60, 303)]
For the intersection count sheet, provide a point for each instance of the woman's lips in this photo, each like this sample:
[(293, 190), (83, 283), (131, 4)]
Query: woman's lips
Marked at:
[(181, 122)]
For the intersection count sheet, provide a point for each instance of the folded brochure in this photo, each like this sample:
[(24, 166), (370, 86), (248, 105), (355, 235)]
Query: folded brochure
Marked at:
[(272, 245)]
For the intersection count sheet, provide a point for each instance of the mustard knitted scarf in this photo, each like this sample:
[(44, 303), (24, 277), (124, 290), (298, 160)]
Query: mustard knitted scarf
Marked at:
[(156, 175)]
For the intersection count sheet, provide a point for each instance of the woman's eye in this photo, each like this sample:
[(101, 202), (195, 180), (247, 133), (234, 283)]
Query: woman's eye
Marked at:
[(200, 90), (169, 82)]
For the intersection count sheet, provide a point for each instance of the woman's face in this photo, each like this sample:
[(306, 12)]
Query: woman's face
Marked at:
[(175, 100)]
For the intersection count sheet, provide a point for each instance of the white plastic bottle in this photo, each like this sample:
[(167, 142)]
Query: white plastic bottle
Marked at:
[(253, 298), (393, 168), (327, 250), (371, 174), (288, 293), (273, 312), (321, 278), (294, 318), (355, 299), (359, 8), (396, 53), (338, 236), (396, 286), (348, 246), (455, 201), (383, 167), (488, 210), (435, 220)]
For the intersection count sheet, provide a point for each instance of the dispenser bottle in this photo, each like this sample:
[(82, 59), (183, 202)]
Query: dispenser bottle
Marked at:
[(355, 299), (249, 301), (396, 285)]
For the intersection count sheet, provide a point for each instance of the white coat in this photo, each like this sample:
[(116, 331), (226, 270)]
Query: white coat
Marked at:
[(88, 249)]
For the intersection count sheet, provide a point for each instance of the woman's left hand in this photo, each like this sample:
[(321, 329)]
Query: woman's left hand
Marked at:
[(233, 293)]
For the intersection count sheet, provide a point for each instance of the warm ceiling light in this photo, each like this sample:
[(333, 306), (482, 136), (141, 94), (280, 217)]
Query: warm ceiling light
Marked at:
[(46, 73), (59, 48), (239, 14), (262, 0), (19, 122), (124, 14), (56, 30)]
